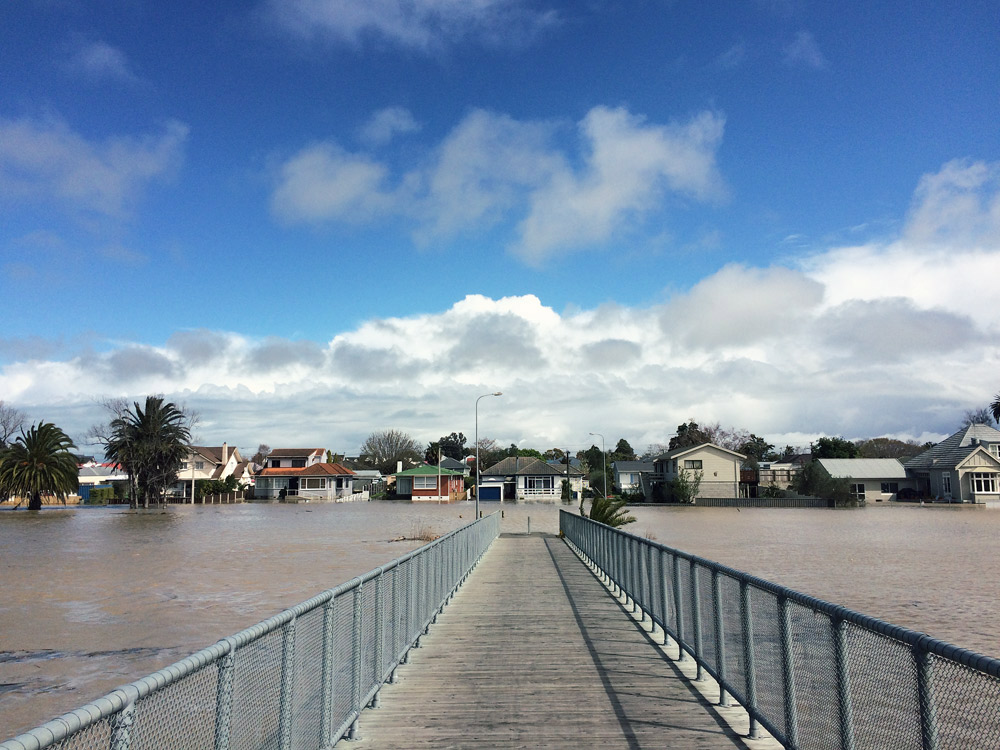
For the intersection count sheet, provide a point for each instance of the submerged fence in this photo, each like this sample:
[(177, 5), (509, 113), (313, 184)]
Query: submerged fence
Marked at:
[(814, 674), (297, 680)]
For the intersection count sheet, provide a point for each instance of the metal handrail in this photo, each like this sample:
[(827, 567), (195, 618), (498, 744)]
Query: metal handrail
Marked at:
[(409, 592), (867, 668)]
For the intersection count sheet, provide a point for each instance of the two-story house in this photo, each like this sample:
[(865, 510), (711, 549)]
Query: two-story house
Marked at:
[(718, 469), (962, 468)]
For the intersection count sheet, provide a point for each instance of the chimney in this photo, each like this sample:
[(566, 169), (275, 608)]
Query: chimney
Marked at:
[(399, 466), (225, 453)]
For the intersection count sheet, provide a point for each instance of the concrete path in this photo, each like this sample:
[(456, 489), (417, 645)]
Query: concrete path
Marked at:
[(535, 652)]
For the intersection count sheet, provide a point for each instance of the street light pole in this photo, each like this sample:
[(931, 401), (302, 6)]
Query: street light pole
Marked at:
[(498, 393), (604, 461)]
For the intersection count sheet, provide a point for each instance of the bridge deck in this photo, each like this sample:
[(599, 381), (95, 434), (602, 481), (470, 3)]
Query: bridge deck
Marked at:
[(535, 652)]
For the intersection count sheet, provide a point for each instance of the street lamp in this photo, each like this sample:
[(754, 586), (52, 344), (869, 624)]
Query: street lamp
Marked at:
[(498, 393), (604, 461)]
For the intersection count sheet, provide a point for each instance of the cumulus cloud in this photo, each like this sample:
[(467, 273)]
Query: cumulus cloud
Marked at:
[(494, 170), (324, 182), (385, 124), (803, 51), (46, 161), (896, 338), (99, 61), (424, 25)]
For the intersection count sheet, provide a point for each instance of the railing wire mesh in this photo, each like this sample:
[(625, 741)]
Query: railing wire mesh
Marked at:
[(814, 674), (297, 680)]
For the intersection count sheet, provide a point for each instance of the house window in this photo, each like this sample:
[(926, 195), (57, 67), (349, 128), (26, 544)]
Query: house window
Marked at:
[(946, 483), (858, 490), (890, 488), (298, 463), (314, 483), (184, 465), (695, 464), (199, 465), (984, 483), (425, 483), (995, 450), (275, 463), (539, 483)]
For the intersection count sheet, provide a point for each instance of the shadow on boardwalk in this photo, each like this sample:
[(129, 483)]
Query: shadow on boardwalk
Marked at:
[(535, 652)]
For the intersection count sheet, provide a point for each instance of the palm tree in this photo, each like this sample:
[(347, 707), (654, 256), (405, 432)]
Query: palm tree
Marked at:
[(995, 408), (149, 443), (39, 463), (610, 512)]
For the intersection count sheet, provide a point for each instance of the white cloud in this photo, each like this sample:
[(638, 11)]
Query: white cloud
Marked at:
[(898, 338), (99, 61), (385, 124), (803, 51), (494, 170), (48, 162), (324, 182), (629, 165), (416, 24)]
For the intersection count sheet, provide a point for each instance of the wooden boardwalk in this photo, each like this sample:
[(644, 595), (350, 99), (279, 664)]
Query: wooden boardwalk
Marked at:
[(535, 652)]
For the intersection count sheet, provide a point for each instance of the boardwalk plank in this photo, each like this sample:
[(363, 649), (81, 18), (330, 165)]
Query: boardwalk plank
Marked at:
[(535, 652)]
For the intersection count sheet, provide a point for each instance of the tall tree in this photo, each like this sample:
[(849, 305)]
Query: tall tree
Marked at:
[(985, 416), (756, 449), (834, 447), (383, 449), (260, 457), (622, 452), (39, 462), (688, 435), (150, 443), (11, 420), (884, 447), (995, 409)]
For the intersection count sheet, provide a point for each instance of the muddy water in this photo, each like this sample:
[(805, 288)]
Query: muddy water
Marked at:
[(94, 598)]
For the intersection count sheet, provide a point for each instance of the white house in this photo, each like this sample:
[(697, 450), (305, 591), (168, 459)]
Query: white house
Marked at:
[(962, 468), (873, 480)]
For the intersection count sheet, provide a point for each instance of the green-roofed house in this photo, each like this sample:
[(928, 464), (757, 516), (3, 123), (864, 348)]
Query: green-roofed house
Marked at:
[(431, 484)]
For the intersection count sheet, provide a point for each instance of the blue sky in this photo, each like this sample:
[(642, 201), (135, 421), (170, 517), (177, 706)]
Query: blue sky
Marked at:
[(309, 219)]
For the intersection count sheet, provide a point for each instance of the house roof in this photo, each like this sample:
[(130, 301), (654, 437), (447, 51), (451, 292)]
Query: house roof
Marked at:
[(522, 466), (294, 452), (676, 452), (863, 468), (214, 453), (639, 466), (954, 449), (574, 463), (450, 463), (426, 470), (316, 470)]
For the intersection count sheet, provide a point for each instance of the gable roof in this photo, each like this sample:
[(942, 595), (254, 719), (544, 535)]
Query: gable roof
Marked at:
[(316, 470), (450, 463), (863, 468), (639, 466), (426, 470), (294, 452), (954, 449), (523, 466), (677, 452)]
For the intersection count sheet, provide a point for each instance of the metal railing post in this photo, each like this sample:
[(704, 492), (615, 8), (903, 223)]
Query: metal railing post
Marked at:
[(650, 608), (662, 575), (749, 662), (356, 668), (845, 713), (696, 617), (788, 672), (329, 673), (224, 702), (925, 689), (678, 607), (287, 684), (720, 639), (395, 622), (378, 664)]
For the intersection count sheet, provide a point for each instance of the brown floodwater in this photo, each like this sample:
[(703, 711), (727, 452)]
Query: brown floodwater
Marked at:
[(95, 598)]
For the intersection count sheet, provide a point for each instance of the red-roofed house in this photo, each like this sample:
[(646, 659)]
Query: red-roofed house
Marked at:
[(319, 482)]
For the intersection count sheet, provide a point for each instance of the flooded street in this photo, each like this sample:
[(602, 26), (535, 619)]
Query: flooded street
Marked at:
[(94, 598)]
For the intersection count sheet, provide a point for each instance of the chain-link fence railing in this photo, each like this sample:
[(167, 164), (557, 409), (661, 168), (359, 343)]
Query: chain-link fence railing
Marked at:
[(813, 674), (297, 680)]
